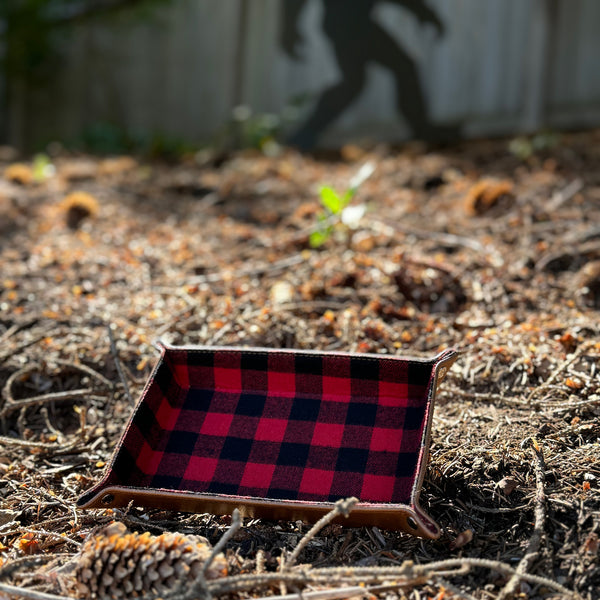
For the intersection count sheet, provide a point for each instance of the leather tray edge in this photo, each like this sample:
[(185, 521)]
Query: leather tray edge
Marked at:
[(412, 519)]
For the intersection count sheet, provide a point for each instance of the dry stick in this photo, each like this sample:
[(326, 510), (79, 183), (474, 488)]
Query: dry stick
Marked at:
[(318, 577), (50, 534), (10, 332), (413, 574), (44, 399), (19, 592), (27, 444), (236, 523), (39, 524), (555, 406), (85, 369), (49, 425), (565, 364), (115, 353), (17, 349), (342, 507), (7, 389), (260, 561), (538, 528), (564, 195), (29, 561), (345, 592), (565, 406), (199, 587), (16, 328)]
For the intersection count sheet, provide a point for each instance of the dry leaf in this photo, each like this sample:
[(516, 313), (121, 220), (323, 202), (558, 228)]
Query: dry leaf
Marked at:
[(462, 539), (507, 485)]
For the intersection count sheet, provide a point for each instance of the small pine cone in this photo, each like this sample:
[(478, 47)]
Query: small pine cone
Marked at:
[(116, 563)]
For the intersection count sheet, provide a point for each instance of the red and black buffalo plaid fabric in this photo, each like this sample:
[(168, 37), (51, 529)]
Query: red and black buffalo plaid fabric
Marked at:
[(278, 424)]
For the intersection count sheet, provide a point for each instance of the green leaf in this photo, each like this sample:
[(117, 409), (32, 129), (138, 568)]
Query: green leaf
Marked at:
[(330, 200), (318, 238), (42, 167), (348, 196)]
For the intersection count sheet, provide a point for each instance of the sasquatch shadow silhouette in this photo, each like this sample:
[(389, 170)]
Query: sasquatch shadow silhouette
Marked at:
[(358, 40)]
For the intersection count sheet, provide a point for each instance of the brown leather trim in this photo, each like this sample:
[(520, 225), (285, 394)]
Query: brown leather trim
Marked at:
[(388, 516), (444, 361)]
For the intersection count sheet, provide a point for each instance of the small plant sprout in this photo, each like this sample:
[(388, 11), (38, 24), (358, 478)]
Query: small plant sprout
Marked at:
[(42, 167), (336, 207)]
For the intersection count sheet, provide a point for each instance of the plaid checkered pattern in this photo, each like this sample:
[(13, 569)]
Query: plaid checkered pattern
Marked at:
[(282, 425)]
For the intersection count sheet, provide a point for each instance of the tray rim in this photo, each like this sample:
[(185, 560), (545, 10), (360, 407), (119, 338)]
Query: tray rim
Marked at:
[(410, 517)]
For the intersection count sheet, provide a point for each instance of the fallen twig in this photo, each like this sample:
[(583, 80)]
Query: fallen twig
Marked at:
[(45, 399), (16, 328), (200, 586), (21, 592), (4, 439), (564, 195), (236, 523), (452, 390), (563, 365), (7, 389), (16, 350), (115, 353), (85, 369), (333, 594), (411, 574), (342, 507), (535, 540), (564, 406), (29, 561)]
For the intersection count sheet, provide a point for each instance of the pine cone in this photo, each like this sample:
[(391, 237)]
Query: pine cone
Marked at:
[(119, 564)]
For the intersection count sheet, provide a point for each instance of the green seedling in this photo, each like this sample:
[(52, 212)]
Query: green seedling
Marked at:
[(524, 147), (42, 167), (336, 208)]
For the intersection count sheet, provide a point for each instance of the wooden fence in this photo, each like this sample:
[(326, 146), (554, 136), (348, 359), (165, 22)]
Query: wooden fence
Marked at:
[(502, 66)]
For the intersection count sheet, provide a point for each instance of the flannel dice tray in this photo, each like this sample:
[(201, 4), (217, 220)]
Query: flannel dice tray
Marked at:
[(279, 434)]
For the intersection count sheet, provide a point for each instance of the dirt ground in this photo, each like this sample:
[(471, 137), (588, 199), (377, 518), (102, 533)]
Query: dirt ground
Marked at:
[(470, 246)]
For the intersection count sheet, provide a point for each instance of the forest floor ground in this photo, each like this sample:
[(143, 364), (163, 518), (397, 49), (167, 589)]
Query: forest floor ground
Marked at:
[(467, 246)]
